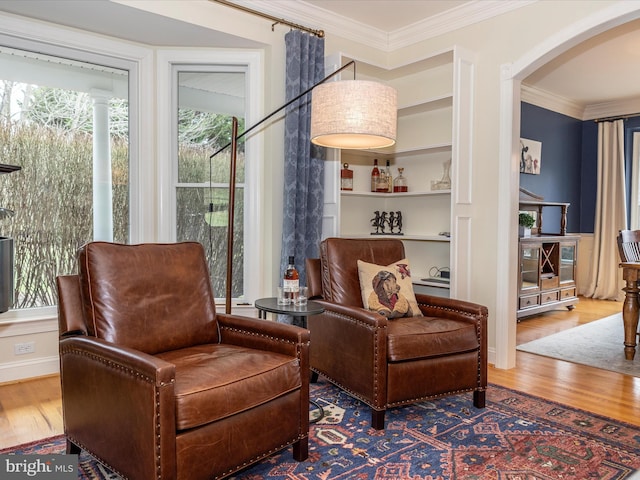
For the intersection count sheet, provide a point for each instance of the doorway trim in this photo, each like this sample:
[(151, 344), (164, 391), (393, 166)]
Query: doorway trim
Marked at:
[(511, 76)]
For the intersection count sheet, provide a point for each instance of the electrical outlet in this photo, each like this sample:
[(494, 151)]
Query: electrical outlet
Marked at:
[(24, 348)]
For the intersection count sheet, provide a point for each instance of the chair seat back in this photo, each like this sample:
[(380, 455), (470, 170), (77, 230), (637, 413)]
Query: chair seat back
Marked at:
[(629, 245), (339, 260), (151, 297)]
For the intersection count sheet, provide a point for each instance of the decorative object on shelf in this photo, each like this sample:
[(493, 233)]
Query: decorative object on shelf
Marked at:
[(382, 220), (375, 176), (445, 182), (530, 156), (349, 114), (525, 223), (400, 182), (387, 172), (346, 178)]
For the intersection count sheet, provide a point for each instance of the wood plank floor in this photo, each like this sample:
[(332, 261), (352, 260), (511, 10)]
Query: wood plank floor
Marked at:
[(31, 410)]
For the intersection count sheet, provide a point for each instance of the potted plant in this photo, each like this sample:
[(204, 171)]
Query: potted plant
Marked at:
[(525, 222)]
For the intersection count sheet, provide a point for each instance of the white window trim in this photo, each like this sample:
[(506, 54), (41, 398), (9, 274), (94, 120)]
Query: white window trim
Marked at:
[(26, 34), (167, 146)]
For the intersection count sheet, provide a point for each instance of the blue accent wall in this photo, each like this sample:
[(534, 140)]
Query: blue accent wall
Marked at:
[(569, 166), (560, 178)]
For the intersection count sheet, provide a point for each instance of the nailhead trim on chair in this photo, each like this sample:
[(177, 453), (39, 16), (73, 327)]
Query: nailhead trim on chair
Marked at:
[(259, 457), (133, 373), (414, 400)]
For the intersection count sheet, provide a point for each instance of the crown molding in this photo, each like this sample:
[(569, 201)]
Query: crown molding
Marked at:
[(615, 108), (461, 16), (318, 18), (565, 106), (551, 101)]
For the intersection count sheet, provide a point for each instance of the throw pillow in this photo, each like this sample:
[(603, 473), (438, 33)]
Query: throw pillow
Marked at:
[(388, 289)]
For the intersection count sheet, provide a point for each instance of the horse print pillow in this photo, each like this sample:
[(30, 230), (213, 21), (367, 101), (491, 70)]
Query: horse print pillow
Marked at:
[(388, 289)]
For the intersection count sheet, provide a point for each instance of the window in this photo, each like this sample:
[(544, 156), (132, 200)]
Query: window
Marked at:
[(65, 121), (207, 89), (207, 101)]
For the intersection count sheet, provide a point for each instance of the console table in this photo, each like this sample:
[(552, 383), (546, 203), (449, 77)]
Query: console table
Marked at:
[(630, 308)]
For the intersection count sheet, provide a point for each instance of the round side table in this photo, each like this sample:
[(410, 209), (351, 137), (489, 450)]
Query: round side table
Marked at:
[(270, 304)]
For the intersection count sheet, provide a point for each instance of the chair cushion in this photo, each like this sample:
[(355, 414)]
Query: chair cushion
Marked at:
[(388, 289), (427, 337), (218, 380)]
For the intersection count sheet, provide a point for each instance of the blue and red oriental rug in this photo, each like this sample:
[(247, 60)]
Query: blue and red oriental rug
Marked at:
[(516, 437)]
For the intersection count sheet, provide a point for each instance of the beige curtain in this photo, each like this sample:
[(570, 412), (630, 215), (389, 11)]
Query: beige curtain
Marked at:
[(605, 280)]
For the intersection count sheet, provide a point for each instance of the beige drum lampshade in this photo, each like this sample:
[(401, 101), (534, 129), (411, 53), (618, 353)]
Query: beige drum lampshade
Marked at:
[(354, 114)]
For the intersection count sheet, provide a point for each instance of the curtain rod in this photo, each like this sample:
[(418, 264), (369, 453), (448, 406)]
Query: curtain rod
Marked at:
[(617, 117), (317, 33)]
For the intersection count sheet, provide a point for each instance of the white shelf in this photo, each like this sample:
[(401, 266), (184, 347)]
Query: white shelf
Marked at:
[(432, 282), (353, 193), (419, 238), (394, 151), (427, 105)]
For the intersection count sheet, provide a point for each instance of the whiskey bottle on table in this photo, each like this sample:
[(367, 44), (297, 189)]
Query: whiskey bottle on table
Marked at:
[(291, 281)]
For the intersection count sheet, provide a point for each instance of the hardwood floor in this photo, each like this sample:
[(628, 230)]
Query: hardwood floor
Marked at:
[(599, 391), (31, 410)]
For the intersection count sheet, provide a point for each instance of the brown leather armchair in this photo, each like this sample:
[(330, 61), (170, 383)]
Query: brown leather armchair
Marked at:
[(388, 363), (157, 385)]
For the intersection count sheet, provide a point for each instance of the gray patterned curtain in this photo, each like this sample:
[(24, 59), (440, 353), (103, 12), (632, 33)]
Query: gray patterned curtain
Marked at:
[(304, 162)]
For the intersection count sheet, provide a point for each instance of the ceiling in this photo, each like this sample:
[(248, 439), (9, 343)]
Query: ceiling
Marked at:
[(601, 70)]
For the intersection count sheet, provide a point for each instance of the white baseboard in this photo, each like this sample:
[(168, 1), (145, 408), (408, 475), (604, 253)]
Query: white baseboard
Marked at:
[(37, 367), (491, 356)]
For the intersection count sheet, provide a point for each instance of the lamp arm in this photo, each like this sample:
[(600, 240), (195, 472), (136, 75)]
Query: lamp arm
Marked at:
[(232, 176), (254, 126)]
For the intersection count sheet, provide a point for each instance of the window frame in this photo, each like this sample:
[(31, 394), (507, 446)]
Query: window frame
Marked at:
[(169, 62), (49, 39)]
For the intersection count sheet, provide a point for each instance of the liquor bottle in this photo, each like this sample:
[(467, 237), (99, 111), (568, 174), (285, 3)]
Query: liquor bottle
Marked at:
[(389, 178), (291, 280), (400, 182), (375, 176), (383, 182), (346, 178)]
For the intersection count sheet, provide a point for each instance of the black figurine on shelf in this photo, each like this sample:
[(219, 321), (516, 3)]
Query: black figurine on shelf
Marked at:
[(375, 222), (383, 219)]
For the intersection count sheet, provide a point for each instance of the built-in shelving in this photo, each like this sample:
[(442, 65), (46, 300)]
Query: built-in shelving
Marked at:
[(434, 115)]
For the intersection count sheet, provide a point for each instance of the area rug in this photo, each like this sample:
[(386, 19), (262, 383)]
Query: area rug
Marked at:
[(597, 344), (516, 437)]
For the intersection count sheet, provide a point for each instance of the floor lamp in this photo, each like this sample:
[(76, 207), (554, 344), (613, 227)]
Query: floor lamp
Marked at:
[(346, 114)]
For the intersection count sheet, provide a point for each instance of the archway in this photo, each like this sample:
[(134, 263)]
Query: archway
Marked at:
[(511, 78)]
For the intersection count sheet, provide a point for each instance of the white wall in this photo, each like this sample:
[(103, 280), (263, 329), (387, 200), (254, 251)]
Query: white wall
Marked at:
[(513, 40)]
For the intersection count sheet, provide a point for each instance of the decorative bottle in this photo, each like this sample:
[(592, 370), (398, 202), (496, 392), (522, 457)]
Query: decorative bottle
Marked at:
[(389, 178), (291, 280), (375, 176), (400, 183), (346, 178)]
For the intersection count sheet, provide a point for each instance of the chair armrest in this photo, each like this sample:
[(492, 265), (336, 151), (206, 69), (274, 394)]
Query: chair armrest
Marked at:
[(262, 334), (360, 337), (115, 356), (107, 390), (433, 306)]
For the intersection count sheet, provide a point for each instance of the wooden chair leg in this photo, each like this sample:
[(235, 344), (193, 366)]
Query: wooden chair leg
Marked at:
[(377, 419), (72, 448), (301, 449), (314, 377), (479, 398)]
